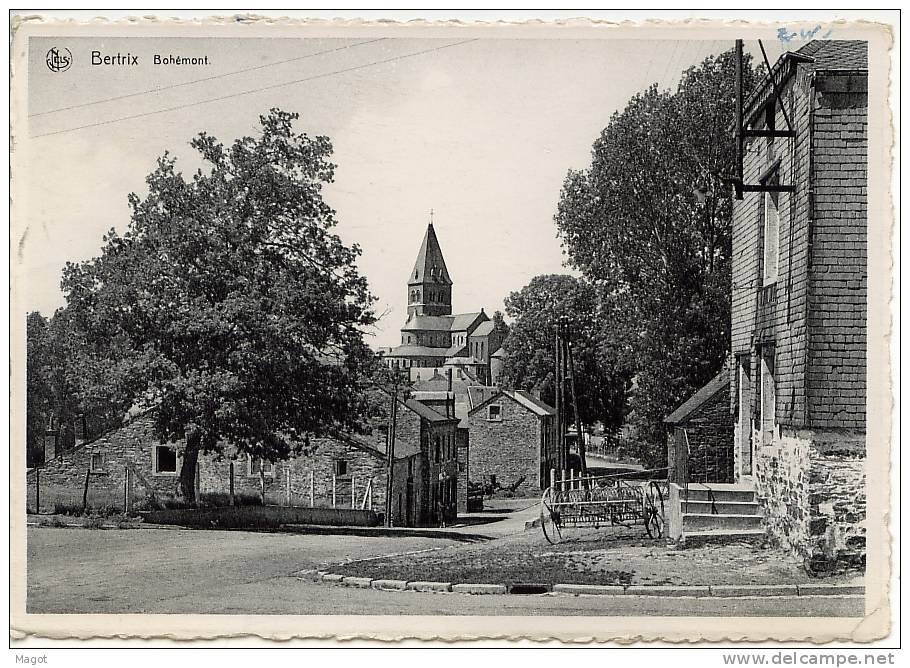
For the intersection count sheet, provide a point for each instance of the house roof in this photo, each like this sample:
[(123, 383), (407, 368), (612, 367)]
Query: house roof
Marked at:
[(699, 399), (530, 401), (430, 267), (819, 55), (425, 411), (457, 350), (837, 54), (522, 398)]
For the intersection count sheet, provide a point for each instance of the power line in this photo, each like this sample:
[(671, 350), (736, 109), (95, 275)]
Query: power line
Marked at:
[(195, 81), (254, 90)]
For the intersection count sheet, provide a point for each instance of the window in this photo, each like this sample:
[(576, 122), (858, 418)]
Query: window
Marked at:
[(340, 467), (771, 237), (494, 413), (97, 462), (254, 464), (165, 460), (437, 448)]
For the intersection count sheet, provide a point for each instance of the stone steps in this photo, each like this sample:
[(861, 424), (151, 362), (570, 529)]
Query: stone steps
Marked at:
[(711, 522), (720, 507), (718, 513)]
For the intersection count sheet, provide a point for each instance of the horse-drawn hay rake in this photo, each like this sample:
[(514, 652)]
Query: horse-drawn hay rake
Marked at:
[(603, 501)]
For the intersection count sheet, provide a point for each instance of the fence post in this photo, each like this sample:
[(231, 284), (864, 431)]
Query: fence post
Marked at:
[(553, 479), (562, 481), (333, 490), (88, 472), (231, 480), (371, 494), (37, 490), (312, 488), (126, 489), (353, 492), (287, 471)]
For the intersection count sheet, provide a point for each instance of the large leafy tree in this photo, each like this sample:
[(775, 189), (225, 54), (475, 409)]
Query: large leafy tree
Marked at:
[(601, 375), (651, 220), (234, 307)]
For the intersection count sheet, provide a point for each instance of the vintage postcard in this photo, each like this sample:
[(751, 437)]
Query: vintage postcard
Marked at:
[(451, 330)]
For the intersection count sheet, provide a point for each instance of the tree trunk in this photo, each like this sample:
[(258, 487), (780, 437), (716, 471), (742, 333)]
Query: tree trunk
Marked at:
[(188, 471)]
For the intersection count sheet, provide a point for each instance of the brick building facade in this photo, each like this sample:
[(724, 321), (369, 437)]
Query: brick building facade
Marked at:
[(513, 437), (798, 336)]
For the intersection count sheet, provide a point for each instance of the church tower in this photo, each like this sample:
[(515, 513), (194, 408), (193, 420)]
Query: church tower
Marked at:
[(429, 285)]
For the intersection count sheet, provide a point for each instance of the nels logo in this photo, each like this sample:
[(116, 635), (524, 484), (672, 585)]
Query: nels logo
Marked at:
[(59, 60)]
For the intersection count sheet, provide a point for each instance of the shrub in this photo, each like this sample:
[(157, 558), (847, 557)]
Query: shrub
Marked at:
[(92, 522), (56, 522), (68, 508)]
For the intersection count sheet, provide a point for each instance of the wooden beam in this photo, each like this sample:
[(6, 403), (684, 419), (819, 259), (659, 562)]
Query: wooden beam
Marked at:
[(769, 133), (767, 189)]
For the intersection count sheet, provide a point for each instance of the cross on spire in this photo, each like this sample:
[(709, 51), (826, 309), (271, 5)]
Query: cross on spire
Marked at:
[(431, 216)]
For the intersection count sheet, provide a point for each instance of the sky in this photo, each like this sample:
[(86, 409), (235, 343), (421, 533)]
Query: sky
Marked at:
[(482, 132)]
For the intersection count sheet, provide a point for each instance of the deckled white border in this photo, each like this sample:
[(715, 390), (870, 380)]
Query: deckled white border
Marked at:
[(568, 629)]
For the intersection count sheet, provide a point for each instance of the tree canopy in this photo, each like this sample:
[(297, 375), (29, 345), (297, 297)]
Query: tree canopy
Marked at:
[(234, 307), (601, 377), (650, 221)]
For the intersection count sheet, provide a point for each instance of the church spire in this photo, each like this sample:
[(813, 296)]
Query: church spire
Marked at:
[(429, 285)]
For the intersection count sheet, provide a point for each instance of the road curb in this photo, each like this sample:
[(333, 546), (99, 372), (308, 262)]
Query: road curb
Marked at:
[(569, 589)]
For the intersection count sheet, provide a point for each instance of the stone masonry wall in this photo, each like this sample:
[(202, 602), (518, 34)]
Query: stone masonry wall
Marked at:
[(508, 449), (62, 479), (811, 486), (710, 432)]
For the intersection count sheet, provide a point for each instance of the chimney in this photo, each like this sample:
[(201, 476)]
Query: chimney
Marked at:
[(449, 379)]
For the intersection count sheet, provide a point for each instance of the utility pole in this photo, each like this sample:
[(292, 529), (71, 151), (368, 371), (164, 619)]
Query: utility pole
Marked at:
[(390, 451), (581, 441), (560, 462)]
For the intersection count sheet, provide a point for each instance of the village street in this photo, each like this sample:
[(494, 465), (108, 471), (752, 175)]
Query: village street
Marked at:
[(234, 572)]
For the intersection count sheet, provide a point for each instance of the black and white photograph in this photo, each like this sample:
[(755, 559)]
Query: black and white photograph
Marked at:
[(546, 330)]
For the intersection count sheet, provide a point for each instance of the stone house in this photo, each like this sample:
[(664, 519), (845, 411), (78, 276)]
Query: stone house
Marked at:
[(513, 437), (798, 336), (700, 445), (344, 471)]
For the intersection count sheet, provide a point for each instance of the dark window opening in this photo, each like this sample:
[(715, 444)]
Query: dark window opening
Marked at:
[(165, 459), (340, 467)]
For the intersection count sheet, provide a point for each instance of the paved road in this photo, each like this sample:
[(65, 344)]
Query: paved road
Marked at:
[(223, 572)]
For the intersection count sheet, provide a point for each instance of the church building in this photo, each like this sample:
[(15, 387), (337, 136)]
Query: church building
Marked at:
[(434, 339)]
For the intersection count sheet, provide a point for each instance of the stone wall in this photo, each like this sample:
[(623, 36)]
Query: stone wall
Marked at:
[(710, 435), (811, 486), (509, 448)]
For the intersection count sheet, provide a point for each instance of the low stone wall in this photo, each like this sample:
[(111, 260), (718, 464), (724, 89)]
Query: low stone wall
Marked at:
[(781, 470), (262, 517)]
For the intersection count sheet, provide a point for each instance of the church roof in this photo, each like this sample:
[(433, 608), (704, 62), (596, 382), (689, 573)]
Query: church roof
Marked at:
[(462, 321), (499, 353), (436, 323), (416, 351), (483, 329), (430, 266)]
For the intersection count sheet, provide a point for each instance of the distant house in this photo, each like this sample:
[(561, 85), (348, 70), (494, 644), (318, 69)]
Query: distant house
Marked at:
[(513, 437), (349, 470)]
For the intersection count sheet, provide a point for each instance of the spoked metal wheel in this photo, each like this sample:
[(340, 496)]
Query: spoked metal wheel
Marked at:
[(549, 519), (654, 510)]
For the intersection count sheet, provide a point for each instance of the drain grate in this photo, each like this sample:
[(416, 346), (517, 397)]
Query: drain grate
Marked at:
[(529, 588)]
